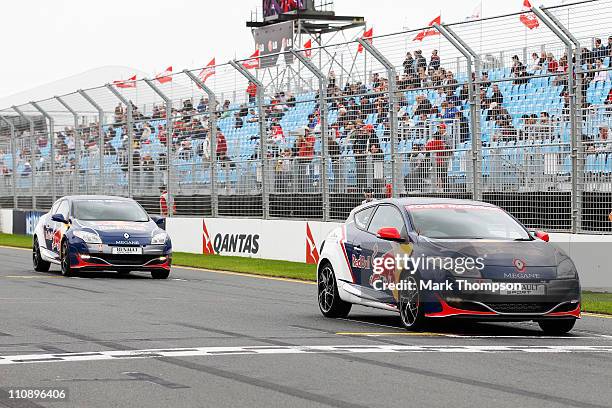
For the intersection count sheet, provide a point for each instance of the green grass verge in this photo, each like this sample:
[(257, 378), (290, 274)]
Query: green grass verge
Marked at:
[(282, 269), (591, 301)]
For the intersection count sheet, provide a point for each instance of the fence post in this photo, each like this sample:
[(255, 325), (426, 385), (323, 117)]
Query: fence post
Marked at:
[(51, 150), (93, 103), (32, 158), (77, 140), (555, 27), (130, 130), (472, 58), (212, 134), (13, 160), (391, 74), (577, 149), (169, 137), (262, 133), (324, 129)]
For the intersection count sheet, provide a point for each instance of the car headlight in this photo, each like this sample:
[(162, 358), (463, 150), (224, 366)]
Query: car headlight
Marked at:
[(88, 237), (566, 270), (159, 238)]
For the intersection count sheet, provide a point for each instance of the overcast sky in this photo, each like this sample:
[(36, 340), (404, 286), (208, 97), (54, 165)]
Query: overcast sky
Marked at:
[(47, 40)]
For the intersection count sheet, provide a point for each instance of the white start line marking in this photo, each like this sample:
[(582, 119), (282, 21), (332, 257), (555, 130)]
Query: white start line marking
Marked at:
[(250, 350)]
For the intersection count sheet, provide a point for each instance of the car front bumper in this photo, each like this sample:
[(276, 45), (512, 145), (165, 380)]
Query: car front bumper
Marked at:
[(100, 257), (561, 299)]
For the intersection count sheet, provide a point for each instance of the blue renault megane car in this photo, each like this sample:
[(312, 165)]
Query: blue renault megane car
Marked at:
[(89, 233), (430, 258)]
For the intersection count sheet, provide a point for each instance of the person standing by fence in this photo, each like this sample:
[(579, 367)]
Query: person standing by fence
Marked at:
[(166, 201)]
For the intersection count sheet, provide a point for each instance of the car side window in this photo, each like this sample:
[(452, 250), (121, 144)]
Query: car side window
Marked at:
[(64, 209), (387, 216), (362, 218), (55, 207)]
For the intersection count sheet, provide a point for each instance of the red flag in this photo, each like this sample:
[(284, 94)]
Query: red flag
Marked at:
[(367, 35), (529, 19), (165, 76), (127, 83), (253, 61), (429, 31), (307, 48), (207, 71)]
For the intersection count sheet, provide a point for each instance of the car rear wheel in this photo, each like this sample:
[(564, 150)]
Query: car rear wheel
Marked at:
[(160, 274), (560, 326), (65, 259), (330, 303), (409, 302), (40, 265)]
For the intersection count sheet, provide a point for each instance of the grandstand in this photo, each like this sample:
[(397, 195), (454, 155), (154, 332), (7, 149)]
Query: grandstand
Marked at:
[(396, 118)]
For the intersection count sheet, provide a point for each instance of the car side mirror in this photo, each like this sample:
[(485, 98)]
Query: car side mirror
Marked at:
[(160, 221), (59, 218), (389, 234), (542, 235)]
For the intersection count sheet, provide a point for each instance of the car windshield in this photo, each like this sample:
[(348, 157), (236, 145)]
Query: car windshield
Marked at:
[(460, 221), (109, 210)]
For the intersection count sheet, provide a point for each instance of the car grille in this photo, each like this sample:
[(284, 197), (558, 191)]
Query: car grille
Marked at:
[(526, 307), (124, 259)]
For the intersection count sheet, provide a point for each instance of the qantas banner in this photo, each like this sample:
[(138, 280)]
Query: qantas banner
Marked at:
[(297, 241), (273, 39)]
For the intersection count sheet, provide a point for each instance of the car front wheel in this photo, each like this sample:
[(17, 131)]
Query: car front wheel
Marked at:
[(560, 326), (330, 303), (160, 274), (410, 303), (40, 265), (65, 259)]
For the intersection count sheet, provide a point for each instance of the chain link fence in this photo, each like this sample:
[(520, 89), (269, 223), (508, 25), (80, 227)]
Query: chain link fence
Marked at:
[(486, 110)]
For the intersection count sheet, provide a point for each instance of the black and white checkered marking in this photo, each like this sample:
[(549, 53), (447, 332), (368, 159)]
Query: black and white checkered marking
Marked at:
[(262, 350)]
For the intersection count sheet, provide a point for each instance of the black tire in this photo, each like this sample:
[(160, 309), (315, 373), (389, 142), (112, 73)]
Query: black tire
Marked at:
[(558, 326), (328, 297), (409, 303), (124, 272), (40, 265), (160, 274), (65, 260)]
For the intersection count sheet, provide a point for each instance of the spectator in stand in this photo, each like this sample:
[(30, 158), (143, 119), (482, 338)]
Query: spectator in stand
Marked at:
[(166, 201), (536, 63), (333, 151), (119, 113), (360, 149), (283, 170), (434, 61), (529, 129), (420, 60), (221, 146), (252, 92), (409, 64), (518, 71), (497, 95), (485, 101), (599, 51), (464, 127), (450, 83), (439, 149), (422, 106), (602, 142), (305, 153), (551, 63), (601, 74), (505, 131), (447, 112), (608, 103), (484, 81), (544, 127), (496, 112), (418, 166)]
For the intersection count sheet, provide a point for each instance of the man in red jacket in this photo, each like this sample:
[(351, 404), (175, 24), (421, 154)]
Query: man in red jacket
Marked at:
[(221, 146), (252, 92)]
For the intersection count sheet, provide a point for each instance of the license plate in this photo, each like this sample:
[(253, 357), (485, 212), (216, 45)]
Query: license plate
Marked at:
[(527, 289), (127, 250)]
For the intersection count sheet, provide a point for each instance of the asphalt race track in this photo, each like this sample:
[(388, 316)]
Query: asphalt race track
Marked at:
[(208, 339)]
